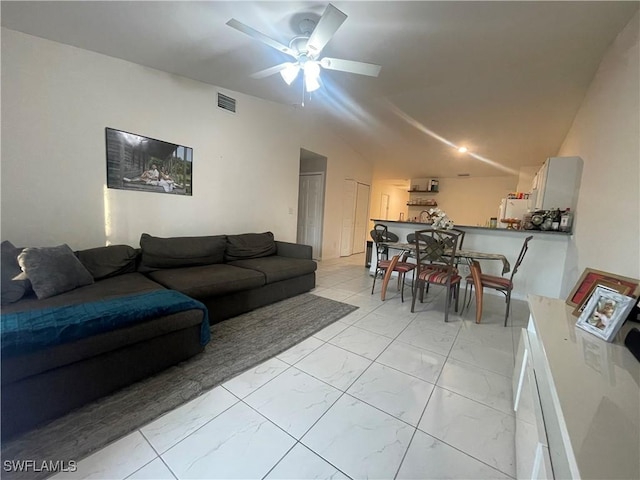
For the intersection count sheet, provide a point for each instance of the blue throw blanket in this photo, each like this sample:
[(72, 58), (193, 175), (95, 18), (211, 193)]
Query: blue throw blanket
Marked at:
[(35, 329)]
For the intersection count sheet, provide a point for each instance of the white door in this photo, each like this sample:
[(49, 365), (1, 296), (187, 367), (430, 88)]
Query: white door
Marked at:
[(310, 211), (362, 210), (348, 217), (384, 206)]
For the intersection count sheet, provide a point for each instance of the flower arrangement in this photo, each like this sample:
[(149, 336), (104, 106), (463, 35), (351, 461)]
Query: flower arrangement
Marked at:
[(440, 220)]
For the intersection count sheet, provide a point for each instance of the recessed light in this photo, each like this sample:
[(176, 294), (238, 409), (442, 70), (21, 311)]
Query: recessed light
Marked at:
[(462, 149)]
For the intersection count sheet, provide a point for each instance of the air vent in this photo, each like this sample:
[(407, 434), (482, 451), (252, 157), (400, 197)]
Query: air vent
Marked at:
[(464, 174), (226, 103)]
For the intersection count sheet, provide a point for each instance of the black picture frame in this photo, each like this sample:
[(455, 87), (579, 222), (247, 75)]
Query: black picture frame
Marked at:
[(139, 163)]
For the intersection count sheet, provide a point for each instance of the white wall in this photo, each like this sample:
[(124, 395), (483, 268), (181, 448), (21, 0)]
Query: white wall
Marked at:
[(342, 163), (606, 134), (57, 101), (398, 198), (471, 200)]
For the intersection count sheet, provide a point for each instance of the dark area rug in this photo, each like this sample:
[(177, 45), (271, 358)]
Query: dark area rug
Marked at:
[(236, 345)]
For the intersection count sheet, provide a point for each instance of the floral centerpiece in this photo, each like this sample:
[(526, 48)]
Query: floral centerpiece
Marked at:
[(440, 220)]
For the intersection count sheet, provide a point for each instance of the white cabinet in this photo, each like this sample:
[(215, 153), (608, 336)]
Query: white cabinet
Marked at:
[(557, 183), (576, 400), (532, 449)]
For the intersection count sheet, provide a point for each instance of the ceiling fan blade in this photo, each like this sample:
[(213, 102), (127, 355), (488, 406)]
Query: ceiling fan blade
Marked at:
[(270, 71), (327, 26), (253, 33), (350, 66)]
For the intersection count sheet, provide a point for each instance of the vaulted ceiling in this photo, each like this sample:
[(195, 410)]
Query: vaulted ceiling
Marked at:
[(504, 79)]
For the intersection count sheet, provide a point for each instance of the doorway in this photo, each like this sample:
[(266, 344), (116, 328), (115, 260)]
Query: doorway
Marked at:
[(311, 190), (355, 210)]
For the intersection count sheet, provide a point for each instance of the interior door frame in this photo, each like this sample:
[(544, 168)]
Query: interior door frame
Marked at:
[(317, 251), (362, 232), (348, 211)]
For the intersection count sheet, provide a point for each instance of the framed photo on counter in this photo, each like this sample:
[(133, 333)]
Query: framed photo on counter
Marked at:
[(614, 287), (590, 278), (604, 313)]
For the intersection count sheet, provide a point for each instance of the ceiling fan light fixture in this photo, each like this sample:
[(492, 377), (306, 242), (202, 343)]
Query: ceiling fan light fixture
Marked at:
[(312, 76), (290, 72)]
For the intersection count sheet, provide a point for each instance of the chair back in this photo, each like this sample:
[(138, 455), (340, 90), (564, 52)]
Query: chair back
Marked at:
[(525, 247), (436, 246), (411, 238), (460, 236), (381, 233)]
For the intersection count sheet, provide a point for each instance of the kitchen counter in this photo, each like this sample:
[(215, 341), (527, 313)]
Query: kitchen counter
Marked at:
[(420, 225), (542, 270)]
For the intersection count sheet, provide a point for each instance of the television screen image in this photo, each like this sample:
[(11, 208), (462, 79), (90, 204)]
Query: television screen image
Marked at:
[(135, 162)]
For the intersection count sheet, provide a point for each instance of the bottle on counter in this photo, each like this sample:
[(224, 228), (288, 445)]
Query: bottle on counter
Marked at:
[(493, 222), (556, 216), (566, 220)]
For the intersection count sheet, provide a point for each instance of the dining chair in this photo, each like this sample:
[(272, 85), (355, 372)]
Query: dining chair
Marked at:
[(380, 234), (396, 264), (434, 266), (411, 237), (460, 236), (501, 284), (460, 242)]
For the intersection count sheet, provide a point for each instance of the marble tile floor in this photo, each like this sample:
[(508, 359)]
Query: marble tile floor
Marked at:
[(382, 393)]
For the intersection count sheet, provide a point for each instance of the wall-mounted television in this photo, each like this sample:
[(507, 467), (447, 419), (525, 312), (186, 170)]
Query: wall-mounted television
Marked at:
[(144, 164)]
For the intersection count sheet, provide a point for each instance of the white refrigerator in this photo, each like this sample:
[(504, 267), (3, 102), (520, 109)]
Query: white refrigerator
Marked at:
[(511, 208)]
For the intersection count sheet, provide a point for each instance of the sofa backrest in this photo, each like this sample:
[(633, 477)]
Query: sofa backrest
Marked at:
[(181, 251), (250, 245), (105, 262)]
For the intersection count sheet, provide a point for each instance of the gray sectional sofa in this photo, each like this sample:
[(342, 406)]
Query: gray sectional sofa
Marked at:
[(229, 274)]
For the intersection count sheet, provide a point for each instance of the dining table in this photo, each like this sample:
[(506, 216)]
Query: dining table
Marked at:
[(467, 255)]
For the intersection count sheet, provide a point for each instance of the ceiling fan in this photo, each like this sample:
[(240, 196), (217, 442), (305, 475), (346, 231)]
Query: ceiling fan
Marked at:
[(305, 50)]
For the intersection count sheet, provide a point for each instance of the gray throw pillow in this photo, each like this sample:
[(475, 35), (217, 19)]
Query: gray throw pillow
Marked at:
[(14, 282), (105, 262), (53, 270), (250, 245), (177, 252)]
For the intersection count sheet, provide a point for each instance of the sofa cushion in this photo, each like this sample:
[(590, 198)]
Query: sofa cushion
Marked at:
[(208, 280), (14, 282), (182, 251), (127, 284), (276, 268), (250, 245), (53, 270), (105, 262), (22, 366)]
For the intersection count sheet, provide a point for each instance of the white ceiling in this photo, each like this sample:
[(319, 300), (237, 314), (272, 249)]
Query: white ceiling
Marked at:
[(503, 78)]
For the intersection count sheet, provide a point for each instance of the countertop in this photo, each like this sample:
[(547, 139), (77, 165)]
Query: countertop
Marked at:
[(475, 227), (597, 391)]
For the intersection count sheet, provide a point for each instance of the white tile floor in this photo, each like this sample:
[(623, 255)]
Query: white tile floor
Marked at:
[(382, 393)]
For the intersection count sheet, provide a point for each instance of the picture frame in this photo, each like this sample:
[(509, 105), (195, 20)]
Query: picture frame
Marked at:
[(590, 277), (139, 163), (616, 287), (604, 313)]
